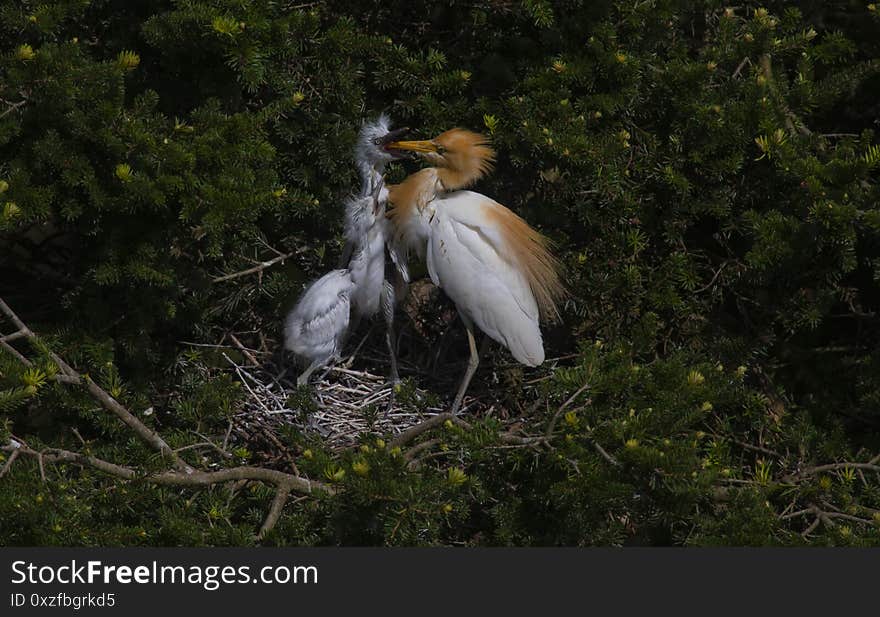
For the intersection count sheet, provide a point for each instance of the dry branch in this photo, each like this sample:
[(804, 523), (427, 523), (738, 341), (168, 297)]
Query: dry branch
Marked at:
[(274, 511), (183, 474), (258, 268), (284, 482), (70, 376), (16, 451), (178, 478)]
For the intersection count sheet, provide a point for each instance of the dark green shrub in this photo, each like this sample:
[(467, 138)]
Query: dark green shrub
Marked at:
[(710, 176)]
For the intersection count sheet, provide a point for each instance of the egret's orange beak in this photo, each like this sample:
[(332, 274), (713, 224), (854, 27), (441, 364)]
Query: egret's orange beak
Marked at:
[(413, 146)]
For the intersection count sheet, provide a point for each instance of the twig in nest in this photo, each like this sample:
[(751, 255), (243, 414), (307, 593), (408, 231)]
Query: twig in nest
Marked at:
[(244, 350)]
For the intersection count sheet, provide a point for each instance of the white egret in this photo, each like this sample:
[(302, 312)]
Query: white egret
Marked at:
[(376, 269), (316, 328), (495, 268)]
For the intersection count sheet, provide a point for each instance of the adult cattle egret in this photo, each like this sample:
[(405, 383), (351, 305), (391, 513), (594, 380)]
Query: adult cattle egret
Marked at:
[(496, 269), (316, 328)]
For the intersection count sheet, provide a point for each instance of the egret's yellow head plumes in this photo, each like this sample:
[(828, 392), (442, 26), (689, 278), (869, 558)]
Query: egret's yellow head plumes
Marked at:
[(461, 157)]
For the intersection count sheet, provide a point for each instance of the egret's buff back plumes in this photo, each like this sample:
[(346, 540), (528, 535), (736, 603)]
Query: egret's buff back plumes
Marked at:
[(459, 158), (529, 250)]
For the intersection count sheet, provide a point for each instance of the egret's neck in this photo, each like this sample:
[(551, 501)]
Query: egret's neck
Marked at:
[(452, 179), (371, 175), (411, 201)]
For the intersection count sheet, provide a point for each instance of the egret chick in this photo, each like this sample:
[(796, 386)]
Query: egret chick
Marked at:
[(316, 327), (377, 269)]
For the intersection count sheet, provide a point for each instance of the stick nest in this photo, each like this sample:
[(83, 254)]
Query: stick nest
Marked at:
[(342, 403)]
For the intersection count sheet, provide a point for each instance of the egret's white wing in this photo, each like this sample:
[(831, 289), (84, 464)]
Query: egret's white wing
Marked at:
[(316, 326), (470, 210), (466, 265)]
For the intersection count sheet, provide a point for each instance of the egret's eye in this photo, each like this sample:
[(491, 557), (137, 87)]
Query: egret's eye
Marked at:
[(441, 149), (377, 141)]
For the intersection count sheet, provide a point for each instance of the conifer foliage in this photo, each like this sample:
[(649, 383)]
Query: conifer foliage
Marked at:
[(173, 170)]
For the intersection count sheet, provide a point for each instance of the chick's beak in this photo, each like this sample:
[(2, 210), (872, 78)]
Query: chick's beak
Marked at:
[(391, 136)]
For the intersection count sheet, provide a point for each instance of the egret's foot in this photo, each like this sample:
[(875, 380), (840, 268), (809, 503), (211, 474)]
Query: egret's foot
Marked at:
[(392, 399), (303, 379)]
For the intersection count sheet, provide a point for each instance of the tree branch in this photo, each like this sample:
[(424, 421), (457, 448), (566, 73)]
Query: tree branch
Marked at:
[(12, 107), (792, 122), (871, 465), (258, 268), (274, 511), (16, 451), (71, 376), (282, 480)]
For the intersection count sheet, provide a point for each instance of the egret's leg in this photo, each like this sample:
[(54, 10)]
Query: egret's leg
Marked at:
[(303, 379), (473, 363), (388, 298), (348, 363)]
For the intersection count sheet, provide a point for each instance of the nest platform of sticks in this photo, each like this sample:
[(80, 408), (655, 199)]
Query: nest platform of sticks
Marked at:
[(354, 397)]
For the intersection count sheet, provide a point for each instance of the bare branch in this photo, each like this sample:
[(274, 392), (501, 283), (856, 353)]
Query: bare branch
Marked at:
[(604, 454), (761, 449), (12, 107), (15, 453), (21, 358), (274, 511), (741, 66), (180, 478), (552, 425), (417, 449), (70, 376), (414, 431), (258, 268), (247, 352), (811, 471)]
